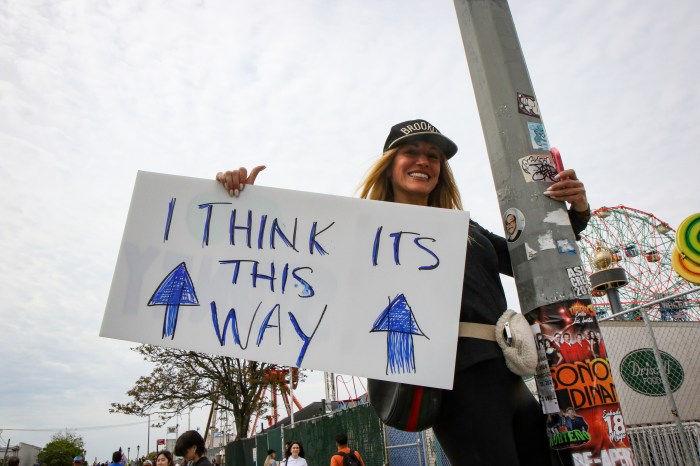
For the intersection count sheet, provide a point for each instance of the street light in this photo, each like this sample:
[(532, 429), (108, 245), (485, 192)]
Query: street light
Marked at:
[(128, 454), (138, 448), (148, 441)]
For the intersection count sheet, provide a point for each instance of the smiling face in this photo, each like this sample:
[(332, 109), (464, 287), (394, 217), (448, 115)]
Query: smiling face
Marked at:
[(295, 450), (511, 224), (415, 172)]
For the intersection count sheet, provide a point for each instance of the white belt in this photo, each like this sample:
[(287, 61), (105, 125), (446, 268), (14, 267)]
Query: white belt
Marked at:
[(480, 331)]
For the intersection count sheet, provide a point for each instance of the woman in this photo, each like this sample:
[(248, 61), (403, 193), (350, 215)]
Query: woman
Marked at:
[(554, 357), (489, 417), (270, 459), (164, 458), (595, 346), (190, 446), (602, 352), (295, 455)]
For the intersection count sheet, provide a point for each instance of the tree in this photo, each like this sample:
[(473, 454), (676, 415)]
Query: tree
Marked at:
[(183, 379), (60, 451)]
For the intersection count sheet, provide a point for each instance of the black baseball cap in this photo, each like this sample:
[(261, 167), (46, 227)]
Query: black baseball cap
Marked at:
[(419, 130)]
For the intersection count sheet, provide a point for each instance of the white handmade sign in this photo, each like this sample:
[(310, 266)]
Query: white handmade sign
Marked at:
[(322, 282)]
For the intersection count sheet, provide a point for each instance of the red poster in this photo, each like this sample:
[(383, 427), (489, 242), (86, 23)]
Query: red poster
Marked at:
[(586, 417)]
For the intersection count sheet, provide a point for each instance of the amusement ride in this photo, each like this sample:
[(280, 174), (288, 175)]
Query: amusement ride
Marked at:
[(642, 245)]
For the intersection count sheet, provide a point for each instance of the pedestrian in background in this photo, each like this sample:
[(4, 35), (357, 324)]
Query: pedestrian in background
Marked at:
[(190, 445)]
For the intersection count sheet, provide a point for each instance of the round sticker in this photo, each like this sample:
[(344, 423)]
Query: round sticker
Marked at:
[(514, 224)]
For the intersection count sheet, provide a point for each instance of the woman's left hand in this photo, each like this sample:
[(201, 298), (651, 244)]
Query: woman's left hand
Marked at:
[(570, 189)]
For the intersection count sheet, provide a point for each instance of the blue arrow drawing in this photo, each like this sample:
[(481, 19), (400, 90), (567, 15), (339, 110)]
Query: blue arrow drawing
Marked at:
[(174, 291), (398, 321)]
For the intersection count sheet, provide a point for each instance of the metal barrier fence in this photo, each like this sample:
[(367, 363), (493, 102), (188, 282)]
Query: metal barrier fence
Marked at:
[(661, 446)]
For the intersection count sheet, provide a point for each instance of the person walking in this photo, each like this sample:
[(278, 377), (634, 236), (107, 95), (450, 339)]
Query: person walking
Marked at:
[(165, 458), (345, 456), (294, 455), (270, 459), (190, 445)]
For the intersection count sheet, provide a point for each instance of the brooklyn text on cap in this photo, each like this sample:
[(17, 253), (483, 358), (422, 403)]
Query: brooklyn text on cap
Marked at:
[(414, 130)]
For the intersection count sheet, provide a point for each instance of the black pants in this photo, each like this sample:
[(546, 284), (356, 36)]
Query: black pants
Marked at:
[(490, 418)]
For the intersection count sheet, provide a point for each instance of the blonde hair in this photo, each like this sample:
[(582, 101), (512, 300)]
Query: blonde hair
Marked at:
[(377, 184)]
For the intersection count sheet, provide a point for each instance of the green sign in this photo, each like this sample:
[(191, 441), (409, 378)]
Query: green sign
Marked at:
[(640, 371)]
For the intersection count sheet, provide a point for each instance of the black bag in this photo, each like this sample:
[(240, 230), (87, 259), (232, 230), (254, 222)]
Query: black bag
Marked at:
[(349, 459), (410, 408)]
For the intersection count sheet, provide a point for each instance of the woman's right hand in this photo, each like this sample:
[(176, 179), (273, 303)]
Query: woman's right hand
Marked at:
[(235, 180)]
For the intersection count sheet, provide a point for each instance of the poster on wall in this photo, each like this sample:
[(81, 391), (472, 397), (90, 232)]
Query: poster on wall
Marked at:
[(292, 278)]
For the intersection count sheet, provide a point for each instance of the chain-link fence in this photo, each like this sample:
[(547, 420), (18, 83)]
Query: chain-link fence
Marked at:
[(414, 448), (405, 447), (657, 379)]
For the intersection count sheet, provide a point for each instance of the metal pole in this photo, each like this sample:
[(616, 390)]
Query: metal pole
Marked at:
[(148, 442), (418, 446), (501, 81), (385, 439), (291, 391), (543, 256), (614, 300), (334, 394), (687, 450)]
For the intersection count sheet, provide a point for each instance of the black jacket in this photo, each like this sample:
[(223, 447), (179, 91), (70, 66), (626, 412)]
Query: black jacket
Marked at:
[(483, 298)]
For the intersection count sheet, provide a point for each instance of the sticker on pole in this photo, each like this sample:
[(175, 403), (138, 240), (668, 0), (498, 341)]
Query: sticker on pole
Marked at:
[(537, 167), (527, 105)]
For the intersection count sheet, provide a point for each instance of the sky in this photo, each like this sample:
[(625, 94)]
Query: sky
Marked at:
[(93, 91)]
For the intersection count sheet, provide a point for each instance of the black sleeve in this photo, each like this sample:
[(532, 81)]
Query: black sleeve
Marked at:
[(579, 220), (500, 244)]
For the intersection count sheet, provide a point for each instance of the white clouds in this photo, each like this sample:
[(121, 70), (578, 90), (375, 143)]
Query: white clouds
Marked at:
[(92, 91)]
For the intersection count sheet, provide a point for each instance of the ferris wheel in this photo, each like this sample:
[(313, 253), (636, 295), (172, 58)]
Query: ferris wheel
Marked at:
[(641, 244)]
